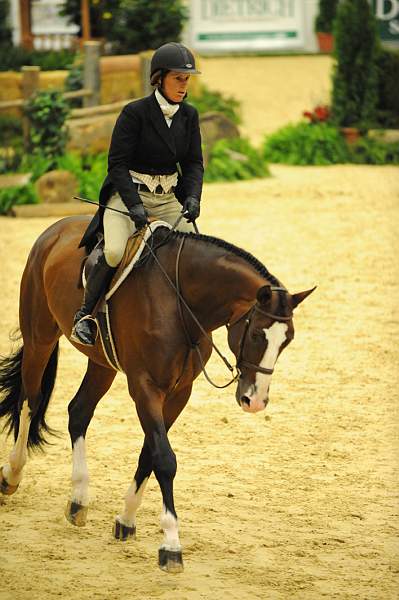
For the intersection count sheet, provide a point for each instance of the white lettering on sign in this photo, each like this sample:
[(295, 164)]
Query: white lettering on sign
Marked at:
[(232, 9), (386, 9), (394, 27)]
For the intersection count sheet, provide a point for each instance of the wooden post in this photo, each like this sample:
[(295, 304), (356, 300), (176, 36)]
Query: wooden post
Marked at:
[(91, 72), (145, 69), (85, 10), (25, 22), (30, 83)]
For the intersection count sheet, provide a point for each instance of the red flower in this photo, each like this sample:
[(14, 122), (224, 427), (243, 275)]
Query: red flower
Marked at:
[(320, 114)]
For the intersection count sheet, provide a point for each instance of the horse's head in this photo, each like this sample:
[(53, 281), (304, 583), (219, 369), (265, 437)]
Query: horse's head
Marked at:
[(257, 339)]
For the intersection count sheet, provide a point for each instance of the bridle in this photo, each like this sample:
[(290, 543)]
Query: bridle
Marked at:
[(195, 346), (248, 318), (248, 315)]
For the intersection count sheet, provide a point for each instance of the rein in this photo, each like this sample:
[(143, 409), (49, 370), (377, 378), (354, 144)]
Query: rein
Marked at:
[(195, 345), (181, 302)]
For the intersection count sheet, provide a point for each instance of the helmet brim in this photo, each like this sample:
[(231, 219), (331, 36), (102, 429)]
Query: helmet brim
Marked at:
[(183, 70)]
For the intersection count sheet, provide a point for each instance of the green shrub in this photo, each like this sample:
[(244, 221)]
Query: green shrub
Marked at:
[(47, 111), (235, 159), (306, 144), (89, 170), (12, 58), (211, 101), (326, 15), (11, 196), (355, 83), (323, 144), (388, 88), (74, 80), (373, 152), (5, 29), (145, 24)]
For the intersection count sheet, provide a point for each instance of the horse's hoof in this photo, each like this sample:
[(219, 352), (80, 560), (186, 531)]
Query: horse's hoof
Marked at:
[(5, 487), (76, 513), (170, 560), (123, 532)]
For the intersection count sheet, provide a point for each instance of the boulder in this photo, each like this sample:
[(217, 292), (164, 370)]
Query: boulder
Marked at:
[(216, 126), (57, 186), (91, 134)]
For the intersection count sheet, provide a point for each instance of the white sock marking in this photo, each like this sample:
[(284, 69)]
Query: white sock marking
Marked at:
[(18, 455), (80, 473), (133, 500), (171, 531)]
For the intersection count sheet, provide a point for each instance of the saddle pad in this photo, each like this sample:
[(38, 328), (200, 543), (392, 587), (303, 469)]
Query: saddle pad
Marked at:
[(134, 248)]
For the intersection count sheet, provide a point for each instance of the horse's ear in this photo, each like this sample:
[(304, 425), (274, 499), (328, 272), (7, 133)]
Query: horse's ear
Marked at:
[(300, 297), (264, 294)]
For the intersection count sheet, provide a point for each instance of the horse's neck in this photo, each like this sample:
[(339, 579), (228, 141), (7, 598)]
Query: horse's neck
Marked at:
[(219, 286)]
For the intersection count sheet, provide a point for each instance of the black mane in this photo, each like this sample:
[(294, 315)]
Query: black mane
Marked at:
[(249, 258)]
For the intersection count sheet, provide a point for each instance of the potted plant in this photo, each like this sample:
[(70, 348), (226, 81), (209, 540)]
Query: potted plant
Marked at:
[(324, 24)]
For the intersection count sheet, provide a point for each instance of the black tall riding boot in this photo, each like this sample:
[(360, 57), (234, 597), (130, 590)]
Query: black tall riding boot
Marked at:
[(84, 329)]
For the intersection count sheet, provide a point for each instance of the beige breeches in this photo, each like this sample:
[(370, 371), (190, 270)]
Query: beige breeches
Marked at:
[(118, 228)]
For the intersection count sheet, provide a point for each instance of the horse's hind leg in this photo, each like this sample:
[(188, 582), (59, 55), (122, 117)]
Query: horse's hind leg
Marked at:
[(95, 384), (27, 396)]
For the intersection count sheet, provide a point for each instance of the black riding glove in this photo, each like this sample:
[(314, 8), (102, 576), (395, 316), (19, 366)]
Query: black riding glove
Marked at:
[(139, 216), (191, 209)]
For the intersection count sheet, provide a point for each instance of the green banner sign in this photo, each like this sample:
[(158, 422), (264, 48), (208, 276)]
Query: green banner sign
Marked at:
[(387, 13)]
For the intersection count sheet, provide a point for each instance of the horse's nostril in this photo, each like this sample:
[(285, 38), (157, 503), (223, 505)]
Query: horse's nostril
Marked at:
[(245, 400)]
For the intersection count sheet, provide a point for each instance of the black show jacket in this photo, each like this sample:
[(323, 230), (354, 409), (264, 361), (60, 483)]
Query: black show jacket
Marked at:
[(142, 141)]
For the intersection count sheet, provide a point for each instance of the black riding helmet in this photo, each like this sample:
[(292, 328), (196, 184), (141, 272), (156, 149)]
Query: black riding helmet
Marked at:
[(173, 57)]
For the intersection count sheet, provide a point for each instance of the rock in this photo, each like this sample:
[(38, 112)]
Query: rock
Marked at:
[(91, 134), (57, 186), (216, 126)]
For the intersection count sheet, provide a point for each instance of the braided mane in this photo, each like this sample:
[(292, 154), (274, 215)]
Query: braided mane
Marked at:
[(249, 258)]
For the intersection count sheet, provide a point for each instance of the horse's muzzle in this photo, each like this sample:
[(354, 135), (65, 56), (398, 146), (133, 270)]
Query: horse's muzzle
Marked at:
[(250, 401)]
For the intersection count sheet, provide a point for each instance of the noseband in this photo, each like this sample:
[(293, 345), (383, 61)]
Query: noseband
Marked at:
[(249, 315)]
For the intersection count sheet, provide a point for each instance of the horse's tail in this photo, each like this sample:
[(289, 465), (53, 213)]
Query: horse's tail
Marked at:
[(13, 395)]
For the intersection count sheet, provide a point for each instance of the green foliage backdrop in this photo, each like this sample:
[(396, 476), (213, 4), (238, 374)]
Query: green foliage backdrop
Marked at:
[(355, 79)]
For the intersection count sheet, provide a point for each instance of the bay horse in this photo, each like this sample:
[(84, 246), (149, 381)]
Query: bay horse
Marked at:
[(160, 345)]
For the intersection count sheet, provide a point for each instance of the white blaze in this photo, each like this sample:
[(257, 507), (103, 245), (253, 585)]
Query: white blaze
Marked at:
[(275, 335), (258, 393)]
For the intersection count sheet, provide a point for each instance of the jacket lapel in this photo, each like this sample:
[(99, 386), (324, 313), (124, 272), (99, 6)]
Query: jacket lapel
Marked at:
[(178, 127), (160, 124)]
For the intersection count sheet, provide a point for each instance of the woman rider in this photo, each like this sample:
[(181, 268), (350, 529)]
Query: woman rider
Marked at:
[(154, 167)]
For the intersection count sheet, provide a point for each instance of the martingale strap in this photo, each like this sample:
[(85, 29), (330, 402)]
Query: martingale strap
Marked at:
[(107, 340)]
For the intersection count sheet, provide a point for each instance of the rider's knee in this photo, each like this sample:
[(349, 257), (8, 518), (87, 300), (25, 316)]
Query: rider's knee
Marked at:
[(114, 255)]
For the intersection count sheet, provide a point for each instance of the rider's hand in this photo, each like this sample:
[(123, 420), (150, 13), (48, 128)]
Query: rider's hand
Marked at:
[(139, 216), (191, 209)]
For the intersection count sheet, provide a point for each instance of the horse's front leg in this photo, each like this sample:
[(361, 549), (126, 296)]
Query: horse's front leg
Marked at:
[(150, 411), (125, 524)]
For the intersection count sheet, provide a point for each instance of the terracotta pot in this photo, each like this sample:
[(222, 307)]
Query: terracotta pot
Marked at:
[(351, 134), (326, 41)]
